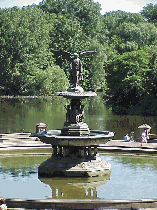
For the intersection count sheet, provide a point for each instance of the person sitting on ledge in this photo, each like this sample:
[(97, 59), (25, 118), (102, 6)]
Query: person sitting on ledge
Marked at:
[(126, 137)]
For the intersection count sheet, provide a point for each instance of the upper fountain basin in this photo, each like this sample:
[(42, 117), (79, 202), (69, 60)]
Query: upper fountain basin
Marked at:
[(76, 95)]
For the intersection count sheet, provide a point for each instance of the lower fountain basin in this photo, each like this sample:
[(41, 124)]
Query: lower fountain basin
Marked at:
[(95, 137), (70, 158)]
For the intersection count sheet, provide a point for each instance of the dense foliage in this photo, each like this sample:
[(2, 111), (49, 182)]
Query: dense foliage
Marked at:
[(124, 67), (26, 61), (130, 72)]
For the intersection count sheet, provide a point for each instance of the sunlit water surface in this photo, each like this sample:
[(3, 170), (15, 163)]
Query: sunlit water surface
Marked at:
[(131, 178), (22, 115)]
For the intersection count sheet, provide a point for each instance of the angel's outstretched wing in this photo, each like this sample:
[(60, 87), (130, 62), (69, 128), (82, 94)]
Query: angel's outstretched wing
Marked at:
[(65, 54), (86, 53)]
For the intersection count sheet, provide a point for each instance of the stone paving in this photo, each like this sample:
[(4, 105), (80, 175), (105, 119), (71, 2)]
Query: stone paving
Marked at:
[(122, 146), (27, 140), (20, 140)]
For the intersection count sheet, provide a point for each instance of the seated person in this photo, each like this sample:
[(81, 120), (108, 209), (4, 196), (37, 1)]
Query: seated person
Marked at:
[(126, 137)]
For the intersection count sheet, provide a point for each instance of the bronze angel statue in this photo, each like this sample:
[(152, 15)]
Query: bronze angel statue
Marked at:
[(75, 64)]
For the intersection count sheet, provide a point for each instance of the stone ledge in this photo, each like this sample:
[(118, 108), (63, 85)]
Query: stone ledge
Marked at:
[(80, 204)]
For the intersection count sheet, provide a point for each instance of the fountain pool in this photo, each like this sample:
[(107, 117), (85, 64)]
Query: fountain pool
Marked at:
[(132, 177)]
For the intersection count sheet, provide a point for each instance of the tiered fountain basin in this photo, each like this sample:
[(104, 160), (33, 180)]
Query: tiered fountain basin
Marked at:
[(72, 155), (76, 94), (95, 137)]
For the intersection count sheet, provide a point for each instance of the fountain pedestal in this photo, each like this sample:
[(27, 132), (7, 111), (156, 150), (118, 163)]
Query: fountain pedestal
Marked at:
[(75, 129), (74, 166), (74, 125)]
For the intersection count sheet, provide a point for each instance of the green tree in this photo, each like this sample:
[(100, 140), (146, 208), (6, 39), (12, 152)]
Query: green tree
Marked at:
[(150, 13), (26, 62), (114, 19), (128, 80), (67, 34), (142, 34), (85, 11), (93, 67), (129, 32)]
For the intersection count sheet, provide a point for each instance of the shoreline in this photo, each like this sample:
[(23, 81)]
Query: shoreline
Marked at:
[(27, 96)]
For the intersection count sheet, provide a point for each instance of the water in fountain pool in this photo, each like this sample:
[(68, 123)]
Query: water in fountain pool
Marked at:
[(132, 177)]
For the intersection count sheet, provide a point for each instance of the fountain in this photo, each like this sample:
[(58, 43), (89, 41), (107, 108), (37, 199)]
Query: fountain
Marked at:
[(72, 145)]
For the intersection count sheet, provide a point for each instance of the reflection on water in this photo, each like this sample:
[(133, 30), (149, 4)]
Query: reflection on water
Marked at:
[(130, 178), (23, 114), (18, 115), (75, 188), (138, 161), (19, 177)]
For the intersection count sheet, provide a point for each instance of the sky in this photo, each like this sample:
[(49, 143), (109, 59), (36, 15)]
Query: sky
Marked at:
[(133, 6)]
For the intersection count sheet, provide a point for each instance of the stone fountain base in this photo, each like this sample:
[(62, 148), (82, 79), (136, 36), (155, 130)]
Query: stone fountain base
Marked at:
[(73, 166)]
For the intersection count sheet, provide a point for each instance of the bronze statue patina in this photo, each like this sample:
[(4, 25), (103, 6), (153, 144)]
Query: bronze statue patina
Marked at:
[(76, 75), (75, 92)]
